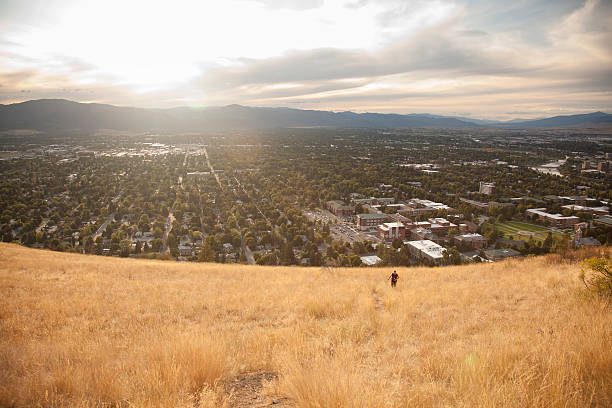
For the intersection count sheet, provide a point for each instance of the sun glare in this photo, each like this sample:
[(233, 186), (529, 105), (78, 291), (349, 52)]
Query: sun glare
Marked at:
[(151, 45)]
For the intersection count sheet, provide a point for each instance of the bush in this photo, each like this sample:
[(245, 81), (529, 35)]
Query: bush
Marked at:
[(599, 279)]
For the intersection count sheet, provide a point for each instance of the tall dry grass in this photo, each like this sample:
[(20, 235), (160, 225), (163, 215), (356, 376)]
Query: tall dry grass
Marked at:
[(89, 331)]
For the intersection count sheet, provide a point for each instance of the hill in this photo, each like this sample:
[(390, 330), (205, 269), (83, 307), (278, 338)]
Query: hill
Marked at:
[(82, 330), (589, 119), (57, 115)]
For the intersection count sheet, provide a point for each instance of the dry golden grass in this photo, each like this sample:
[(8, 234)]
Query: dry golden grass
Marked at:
[(90, 331)]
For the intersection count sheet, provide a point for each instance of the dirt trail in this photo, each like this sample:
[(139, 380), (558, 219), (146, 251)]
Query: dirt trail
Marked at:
[(246, 390), (380, 304)]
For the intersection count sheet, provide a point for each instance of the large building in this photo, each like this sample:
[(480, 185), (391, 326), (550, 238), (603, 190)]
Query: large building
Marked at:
[(591, 210), (365, 221), (486, 188), (474, 241), (426, 249), (557, 220), (499, 254), (373, 201), (416, 206), (340, 209), (391, 230)]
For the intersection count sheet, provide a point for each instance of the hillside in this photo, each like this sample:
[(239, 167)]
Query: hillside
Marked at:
[(81, 330), (58, 115)]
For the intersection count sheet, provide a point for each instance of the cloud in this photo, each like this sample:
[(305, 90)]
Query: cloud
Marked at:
[(489, 57)]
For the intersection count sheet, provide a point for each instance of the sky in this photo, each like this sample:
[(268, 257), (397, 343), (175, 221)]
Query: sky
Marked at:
[(488, 59)]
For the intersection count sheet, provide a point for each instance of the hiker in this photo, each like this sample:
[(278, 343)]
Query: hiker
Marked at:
[(394, 277)]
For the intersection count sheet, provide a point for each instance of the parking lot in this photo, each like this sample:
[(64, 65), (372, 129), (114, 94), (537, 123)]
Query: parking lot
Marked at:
[(340, 229)]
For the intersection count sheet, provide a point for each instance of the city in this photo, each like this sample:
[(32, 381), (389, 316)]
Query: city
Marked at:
[(343, 197)]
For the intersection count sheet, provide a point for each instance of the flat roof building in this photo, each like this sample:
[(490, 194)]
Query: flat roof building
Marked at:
[(426, 249), (391, 230), (555, 219), (486, 188), (338, 208), (365, 221), (474, 241), (499, 254)]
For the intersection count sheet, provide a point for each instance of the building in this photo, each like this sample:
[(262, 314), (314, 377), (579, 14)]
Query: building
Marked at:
[(478, 204), (185, 250), (500, 254), (426, 249), (591, 210), (474, 241), (373, 201), (417, 206), (392, 230), (557, 220), (511, 243), (420, 234), (365, 221), (486, 188), (370, 260), (339, 209), (468, 226), (604, 221), (586, 241), (440, 226)]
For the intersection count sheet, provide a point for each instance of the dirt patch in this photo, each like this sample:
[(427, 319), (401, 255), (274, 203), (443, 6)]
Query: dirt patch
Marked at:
[(247, 390)]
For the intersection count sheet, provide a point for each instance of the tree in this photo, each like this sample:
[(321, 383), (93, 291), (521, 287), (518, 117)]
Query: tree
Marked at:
[(158, 233), (157, 244), (451, 257), (206, 254), (144, 223), (124, 247)]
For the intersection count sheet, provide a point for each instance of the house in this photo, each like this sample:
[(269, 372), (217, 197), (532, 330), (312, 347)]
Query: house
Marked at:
[(474, 241), (500, 254), (185, 250), (366, 221), (426, 249)]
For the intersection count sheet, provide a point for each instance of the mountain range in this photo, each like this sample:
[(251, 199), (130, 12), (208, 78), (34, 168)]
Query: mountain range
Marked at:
[(64, 115)]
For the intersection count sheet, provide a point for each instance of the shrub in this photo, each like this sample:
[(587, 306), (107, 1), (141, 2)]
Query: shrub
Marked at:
[(599, 279)]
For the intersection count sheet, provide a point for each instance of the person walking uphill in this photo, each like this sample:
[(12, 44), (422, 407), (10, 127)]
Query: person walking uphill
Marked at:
[(394, 277)]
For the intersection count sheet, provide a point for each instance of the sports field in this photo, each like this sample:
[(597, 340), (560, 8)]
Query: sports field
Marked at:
[(523, 230)]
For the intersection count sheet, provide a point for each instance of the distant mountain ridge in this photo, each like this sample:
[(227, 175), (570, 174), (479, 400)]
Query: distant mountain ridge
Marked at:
[(60, 114)]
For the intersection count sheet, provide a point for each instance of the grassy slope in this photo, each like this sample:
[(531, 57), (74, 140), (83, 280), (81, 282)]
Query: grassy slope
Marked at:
[(84, 331)]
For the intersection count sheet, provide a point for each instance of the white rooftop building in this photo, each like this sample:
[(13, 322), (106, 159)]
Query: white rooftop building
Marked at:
[(426, 249)]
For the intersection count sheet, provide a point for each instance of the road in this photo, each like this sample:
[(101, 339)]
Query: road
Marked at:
[(103, 226), (247, 252), (169, 222), (254, 203), (212, 170)]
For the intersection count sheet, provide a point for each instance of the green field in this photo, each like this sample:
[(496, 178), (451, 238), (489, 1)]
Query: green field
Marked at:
[(521, 230)]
